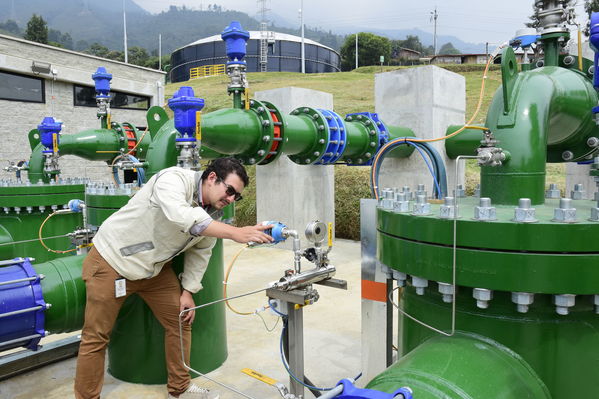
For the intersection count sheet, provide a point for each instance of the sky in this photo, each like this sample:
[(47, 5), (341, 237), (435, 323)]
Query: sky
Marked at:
[(472, 21)]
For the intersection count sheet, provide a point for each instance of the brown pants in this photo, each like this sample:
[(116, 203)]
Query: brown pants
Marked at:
[(162, 294)]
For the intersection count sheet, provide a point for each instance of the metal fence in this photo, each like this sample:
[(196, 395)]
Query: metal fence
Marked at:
[(206, 70)]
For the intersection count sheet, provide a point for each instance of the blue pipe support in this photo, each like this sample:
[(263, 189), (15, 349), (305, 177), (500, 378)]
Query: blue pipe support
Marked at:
[(351, 392), (382, 134), (102, 82), (337, 138), (22, 306)]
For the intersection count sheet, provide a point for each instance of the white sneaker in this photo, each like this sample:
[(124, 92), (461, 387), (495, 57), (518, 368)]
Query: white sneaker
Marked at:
[(196, 392)]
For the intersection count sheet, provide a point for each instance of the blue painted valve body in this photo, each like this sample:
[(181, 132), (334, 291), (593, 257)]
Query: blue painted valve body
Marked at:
[(185, 105), (102, 80), (47, 129), (236, 41)]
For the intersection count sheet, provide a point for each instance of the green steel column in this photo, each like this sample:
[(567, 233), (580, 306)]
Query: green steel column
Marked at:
[(464, 366)]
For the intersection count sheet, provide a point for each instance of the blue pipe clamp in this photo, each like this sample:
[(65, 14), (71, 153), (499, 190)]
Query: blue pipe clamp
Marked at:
[(337, 138), (351, 392)]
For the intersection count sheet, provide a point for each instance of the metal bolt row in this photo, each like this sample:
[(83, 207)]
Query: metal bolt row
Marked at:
[(483, 296), (26, 183), (98, 188), (30, 209)]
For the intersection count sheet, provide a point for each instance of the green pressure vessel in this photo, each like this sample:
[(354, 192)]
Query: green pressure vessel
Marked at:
[(462, 366), (526, 284)]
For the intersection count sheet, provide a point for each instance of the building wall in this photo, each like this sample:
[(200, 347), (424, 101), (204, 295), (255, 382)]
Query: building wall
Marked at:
[(70, 68)]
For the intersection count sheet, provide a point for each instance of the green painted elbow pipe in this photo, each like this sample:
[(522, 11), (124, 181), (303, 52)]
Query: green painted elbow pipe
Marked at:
[(464, 366), (548, 106)]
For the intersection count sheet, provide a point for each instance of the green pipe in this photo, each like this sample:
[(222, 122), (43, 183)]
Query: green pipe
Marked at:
[(300, 134), (463, 366), (162, 152), (231, 131), (35, 171), (464, 143), (64, 290), (93, 144), (358, 139), (403, 151), (543, 102), (207, 153)]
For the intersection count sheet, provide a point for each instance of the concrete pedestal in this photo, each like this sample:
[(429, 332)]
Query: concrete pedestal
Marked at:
[(290, 193), (426, 100)]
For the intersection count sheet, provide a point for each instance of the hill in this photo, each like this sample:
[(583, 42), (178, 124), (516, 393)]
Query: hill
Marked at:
[(89, 22)]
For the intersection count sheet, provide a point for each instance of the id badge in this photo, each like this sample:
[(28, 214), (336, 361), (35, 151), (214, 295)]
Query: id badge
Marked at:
[(120, 287)]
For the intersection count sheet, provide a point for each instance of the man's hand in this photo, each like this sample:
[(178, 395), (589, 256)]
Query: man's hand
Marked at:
[(252, 234), (186, 302)]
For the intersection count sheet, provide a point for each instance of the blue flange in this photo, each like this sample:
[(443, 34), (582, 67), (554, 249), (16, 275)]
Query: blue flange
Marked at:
[(47, 128), (236, 41), (351, 392), (185, 105), (102, 79), (337, 138), (22, 306), (382, 135)]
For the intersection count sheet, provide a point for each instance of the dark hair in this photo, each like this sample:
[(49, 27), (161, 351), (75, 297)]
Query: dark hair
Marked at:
[(225, 166)]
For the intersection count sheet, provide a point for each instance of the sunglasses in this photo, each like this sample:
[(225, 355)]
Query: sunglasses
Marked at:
[(231, 190)]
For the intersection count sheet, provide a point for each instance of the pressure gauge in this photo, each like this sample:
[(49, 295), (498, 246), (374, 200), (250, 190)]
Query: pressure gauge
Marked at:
[(316, 232)]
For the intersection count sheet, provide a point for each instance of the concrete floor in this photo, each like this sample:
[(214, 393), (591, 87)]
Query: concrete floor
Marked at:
[(331, 335)]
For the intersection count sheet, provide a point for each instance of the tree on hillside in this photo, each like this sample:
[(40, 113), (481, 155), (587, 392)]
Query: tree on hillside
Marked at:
[(138, 55), (448, 48), (37, 30), (11, 27), (98, 50), (370, 49)]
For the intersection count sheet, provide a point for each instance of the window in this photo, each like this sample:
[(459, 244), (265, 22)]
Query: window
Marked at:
[(17, 87), (85, 96)]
